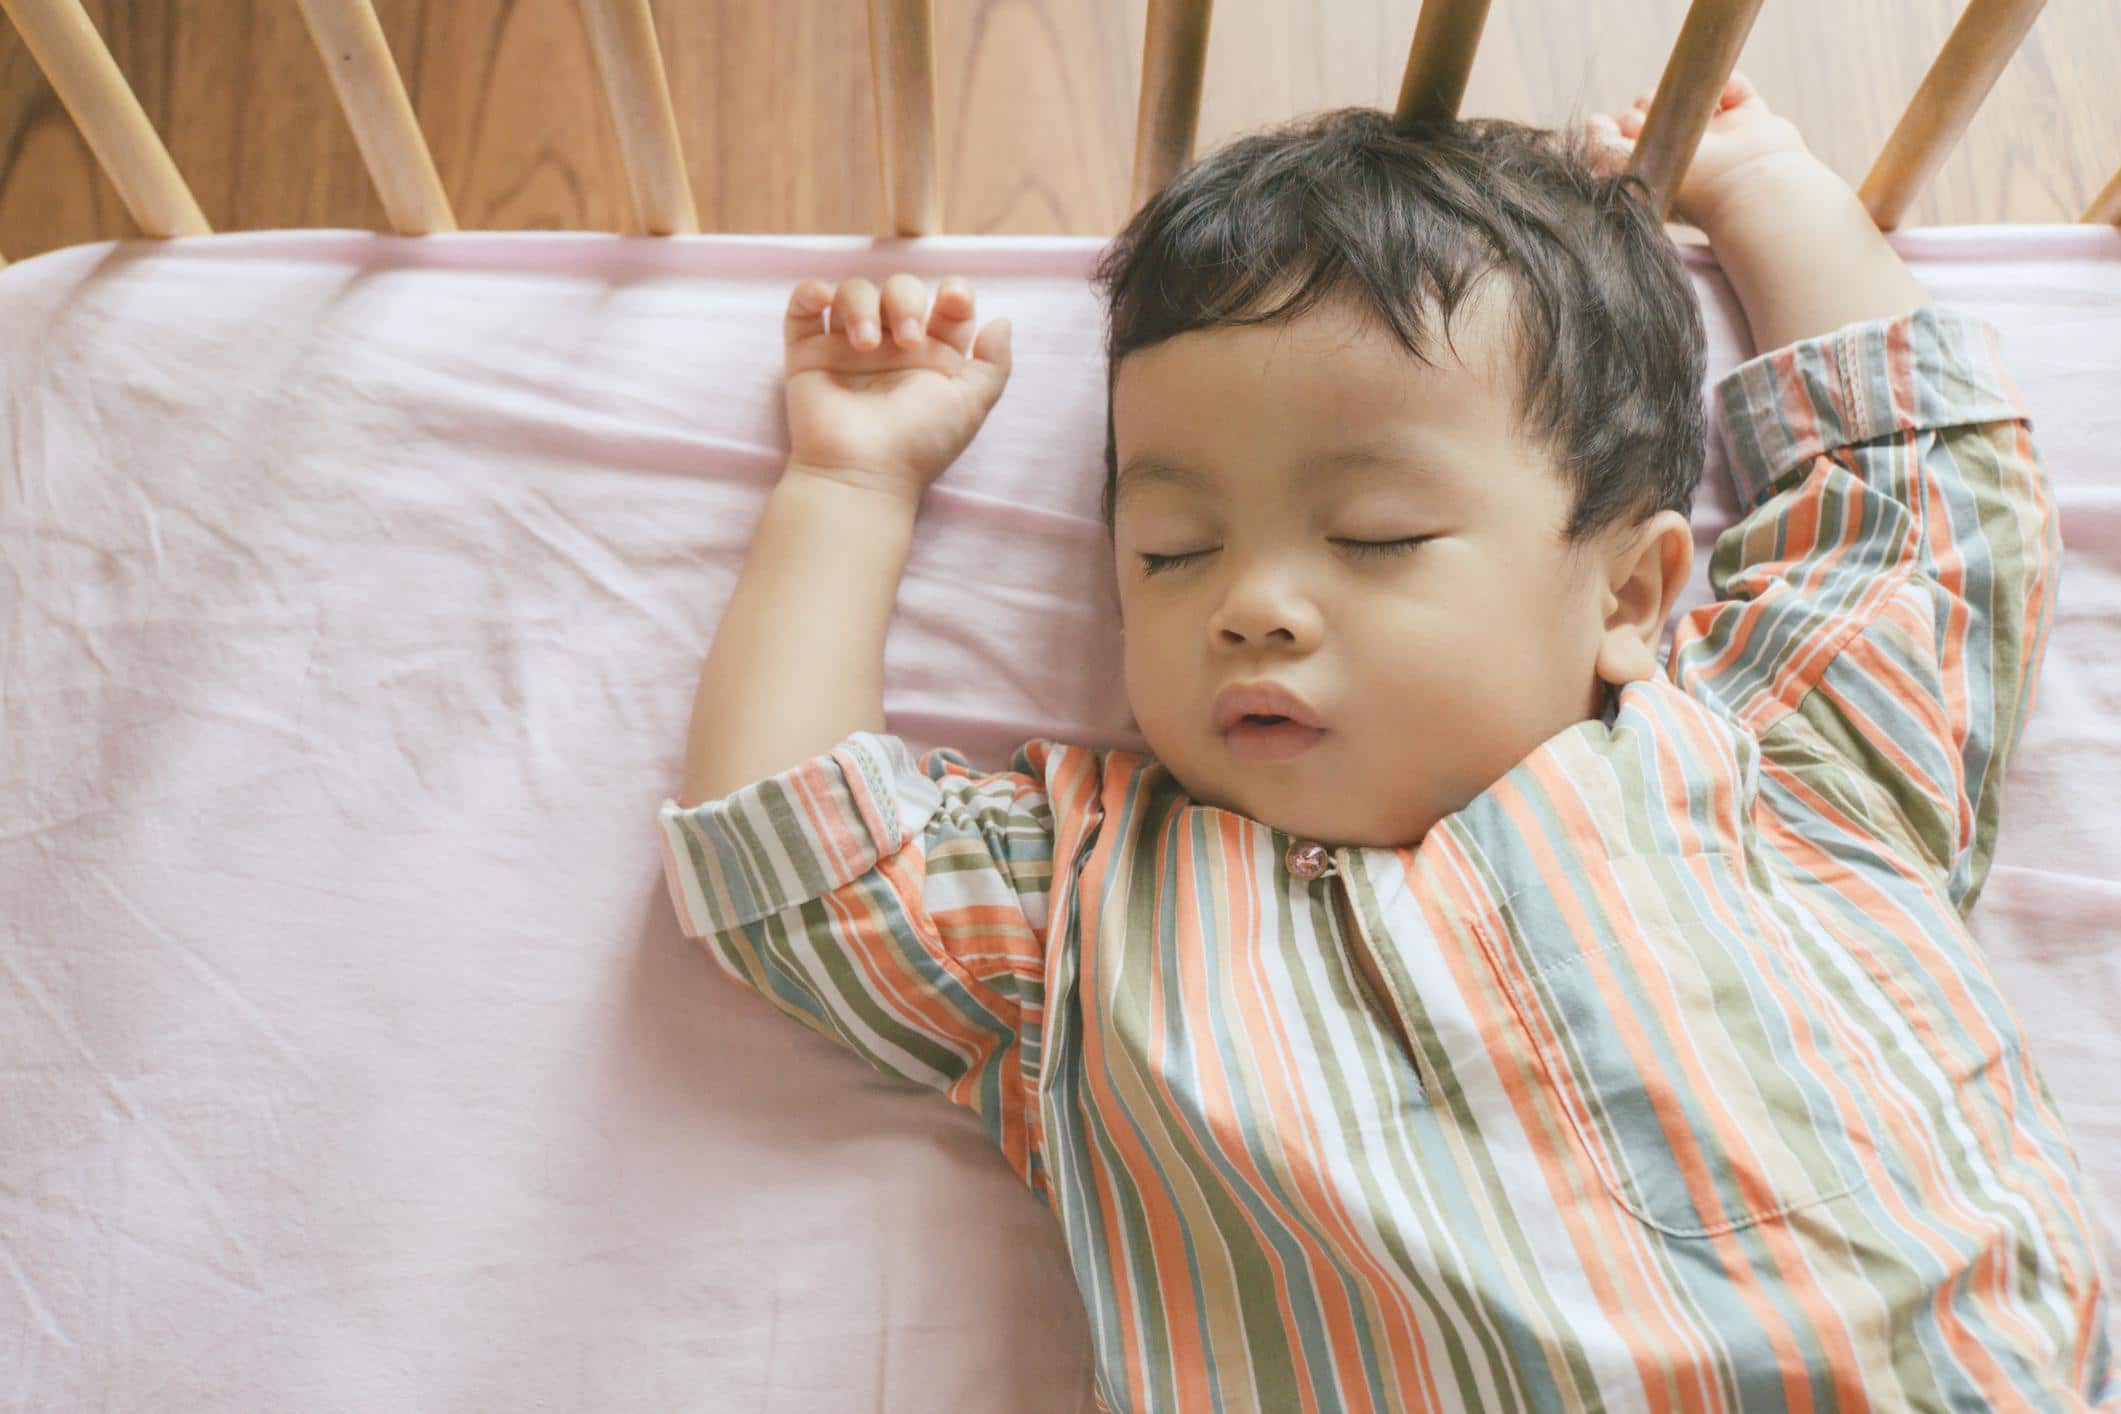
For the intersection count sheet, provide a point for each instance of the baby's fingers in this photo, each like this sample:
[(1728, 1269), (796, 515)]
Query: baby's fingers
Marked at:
[(1737, 90), (905, 306), (954, 316), (852, 302), (805, 304), (854, 310)]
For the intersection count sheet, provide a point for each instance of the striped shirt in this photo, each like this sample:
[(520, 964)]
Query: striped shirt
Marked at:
[(1690, 1090)]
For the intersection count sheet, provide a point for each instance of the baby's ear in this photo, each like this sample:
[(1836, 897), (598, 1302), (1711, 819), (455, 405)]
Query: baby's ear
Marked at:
[(1644, 580)]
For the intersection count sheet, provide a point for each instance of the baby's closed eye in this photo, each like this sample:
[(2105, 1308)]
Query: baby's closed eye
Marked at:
[(1156, 564)]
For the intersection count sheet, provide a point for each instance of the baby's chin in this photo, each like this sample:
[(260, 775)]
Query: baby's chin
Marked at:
[(1343, 834), (1334, 827)]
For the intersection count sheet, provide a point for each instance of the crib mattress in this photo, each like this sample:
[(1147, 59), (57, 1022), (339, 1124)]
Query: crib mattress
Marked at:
[(356, 588)]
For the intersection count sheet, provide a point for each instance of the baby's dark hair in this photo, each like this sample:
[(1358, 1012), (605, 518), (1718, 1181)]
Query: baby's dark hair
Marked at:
[(1351, 202)]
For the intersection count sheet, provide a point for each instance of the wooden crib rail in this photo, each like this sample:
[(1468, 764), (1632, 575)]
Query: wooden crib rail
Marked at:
[(630, 69), (87, 80), (351, 42), (2106, 206), (1965, 69), (1446, 35), (1174, 63), (1700, 64), (73, 57), (902, 75)]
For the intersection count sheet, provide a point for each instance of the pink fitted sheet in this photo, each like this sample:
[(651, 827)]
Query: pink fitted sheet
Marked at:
[(355, 589)]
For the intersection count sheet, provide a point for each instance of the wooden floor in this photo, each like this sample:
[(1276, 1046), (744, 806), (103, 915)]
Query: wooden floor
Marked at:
[(1037, 98)]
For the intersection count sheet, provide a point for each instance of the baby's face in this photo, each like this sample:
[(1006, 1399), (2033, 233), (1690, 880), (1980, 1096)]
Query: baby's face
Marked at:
[(1432, 670)]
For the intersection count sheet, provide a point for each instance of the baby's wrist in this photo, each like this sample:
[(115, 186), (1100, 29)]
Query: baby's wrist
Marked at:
[(1768, 189), (1804, 257)]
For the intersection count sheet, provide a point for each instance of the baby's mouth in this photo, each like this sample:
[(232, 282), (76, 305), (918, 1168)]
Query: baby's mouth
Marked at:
[(1266, 737)]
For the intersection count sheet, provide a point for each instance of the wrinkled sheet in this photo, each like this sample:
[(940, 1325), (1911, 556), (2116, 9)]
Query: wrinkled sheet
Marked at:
[(355, 588)]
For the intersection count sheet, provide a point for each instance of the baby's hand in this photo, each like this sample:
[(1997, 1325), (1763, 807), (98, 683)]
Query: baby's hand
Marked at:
[(891, 405), (1741, 133)]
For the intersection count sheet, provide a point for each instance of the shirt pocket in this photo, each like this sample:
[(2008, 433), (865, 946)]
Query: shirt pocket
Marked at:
[(1684, 1039)]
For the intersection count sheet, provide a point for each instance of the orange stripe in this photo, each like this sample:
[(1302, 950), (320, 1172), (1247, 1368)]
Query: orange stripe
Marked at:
[(1823, 1317), (1196, 1374), (1089, 989), (1127, 1306), (2039, 587), (1405, 1356), (1684, 1142), (1910, 1133), (1297, 1122), (1867, 897), (1875, 666), (1255, 1023), (1808, 662), (823, 818), (1686, 719), (1178, 1313), (1610, 1244), (1949, 570), (1793, 401)]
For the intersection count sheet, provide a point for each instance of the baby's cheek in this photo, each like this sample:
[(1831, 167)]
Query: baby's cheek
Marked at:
[(1427, 658)]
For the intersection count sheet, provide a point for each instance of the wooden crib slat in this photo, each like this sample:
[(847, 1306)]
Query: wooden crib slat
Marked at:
[(1695, 72), (1980, 44), (81, 71), (1167, 114), (371, 93), (902, 75), (630, 65), (2106, 206), (1446, 36)]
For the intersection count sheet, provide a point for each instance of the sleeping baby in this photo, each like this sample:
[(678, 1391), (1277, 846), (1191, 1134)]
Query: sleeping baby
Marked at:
[(1458, 1005)]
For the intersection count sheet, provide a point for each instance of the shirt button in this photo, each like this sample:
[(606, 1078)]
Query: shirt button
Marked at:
[(1308, 861)]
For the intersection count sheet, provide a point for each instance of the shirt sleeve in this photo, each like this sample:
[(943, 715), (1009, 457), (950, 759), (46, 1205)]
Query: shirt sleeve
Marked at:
[(1882, 606), (895, 905)]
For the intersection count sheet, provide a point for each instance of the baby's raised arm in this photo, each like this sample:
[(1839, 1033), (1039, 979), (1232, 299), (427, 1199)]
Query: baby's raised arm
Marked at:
[(797, 661), (1802, 254), (1883, 604)]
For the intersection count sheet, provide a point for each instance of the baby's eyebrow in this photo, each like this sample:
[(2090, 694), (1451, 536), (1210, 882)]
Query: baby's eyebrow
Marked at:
[(1139, 474), (1142, 471)]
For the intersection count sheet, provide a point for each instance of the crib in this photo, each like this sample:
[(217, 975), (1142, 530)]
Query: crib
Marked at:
[(357, 585)]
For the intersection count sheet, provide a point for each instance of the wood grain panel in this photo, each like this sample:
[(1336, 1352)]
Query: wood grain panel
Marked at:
[(1037, 99)]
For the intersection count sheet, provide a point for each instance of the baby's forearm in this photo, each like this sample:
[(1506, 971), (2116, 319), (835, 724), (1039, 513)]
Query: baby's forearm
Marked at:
[(798, 658), (1803, 255)]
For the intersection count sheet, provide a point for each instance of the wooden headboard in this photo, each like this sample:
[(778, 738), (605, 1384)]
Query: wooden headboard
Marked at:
[(630, 70)]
